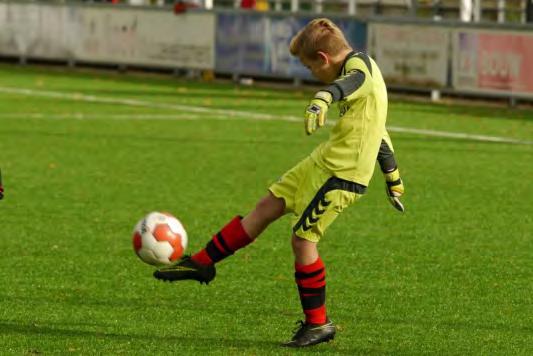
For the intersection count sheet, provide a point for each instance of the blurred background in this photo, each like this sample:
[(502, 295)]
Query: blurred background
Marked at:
[(471, 48)]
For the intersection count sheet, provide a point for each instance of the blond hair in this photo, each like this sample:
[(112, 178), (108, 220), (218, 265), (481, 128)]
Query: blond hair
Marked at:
[(318, 35)]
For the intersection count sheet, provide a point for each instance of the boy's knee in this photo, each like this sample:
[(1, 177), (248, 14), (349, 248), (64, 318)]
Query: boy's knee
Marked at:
[(295, 242), (270, 208), (305, 251), (299, 243)]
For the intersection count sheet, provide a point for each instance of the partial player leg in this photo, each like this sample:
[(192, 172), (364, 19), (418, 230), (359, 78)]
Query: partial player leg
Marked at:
[(238, 233), (325, 199), (310, 275), (268, 210)]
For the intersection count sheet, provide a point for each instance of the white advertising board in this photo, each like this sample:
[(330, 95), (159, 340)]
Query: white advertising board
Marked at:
[(136, 36), (104, 34), (19, 28), (411, 54)]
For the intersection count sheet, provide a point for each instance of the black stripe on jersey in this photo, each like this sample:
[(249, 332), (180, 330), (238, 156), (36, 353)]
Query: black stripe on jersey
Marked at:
[(365, 59), (346, 86), (313, 220), (336, 91), (333, 183), (386, 159), (343, 68)]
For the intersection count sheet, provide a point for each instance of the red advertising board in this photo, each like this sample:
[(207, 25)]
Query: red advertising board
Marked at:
[(489, 61), (505, 61)]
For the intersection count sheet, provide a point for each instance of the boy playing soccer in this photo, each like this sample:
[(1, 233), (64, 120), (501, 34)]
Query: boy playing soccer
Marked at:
[(320, 187)]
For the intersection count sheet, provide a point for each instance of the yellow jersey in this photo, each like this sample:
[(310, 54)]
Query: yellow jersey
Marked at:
[(352, 148)]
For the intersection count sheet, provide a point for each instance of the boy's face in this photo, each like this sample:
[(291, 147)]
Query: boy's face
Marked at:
[(322, 68)]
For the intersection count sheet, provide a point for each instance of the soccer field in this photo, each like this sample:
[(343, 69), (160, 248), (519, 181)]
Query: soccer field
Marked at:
[(85, 155)]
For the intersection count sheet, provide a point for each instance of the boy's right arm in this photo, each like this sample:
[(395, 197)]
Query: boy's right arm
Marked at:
[(354, 84), (387, 163), (315, 114)]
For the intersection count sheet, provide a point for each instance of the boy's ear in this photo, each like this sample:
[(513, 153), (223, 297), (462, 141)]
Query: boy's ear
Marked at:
[(323, 56)]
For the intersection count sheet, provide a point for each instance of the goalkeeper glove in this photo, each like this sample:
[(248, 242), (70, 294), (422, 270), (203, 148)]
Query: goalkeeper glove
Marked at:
[(315, 114), (395, 189)]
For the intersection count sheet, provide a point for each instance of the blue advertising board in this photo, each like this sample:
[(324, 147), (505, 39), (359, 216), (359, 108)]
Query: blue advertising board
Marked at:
[(258, 44), (240, 45)]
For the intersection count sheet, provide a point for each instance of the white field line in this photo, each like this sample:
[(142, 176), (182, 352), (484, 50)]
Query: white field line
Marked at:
[(186, 110), (102, 116)]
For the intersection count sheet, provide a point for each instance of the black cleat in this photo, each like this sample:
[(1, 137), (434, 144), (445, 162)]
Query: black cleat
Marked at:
[(185, 269), (312, 334)]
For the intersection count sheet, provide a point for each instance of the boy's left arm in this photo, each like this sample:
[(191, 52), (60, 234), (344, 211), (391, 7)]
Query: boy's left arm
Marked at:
[(387, 162)]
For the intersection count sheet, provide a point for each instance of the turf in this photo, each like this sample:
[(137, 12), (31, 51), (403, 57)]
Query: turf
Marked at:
[(450, 276)]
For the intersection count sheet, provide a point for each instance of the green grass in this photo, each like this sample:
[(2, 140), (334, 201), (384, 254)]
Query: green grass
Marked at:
[(451, 276)]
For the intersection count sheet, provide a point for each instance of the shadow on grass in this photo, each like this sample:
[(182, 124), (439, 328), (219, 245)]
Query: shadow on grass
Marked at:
[(74, 331), (192, 341)]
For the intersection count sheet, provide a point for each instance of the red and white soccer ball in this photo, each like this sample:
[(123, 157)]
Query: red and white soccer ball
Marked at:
[(159, 239)]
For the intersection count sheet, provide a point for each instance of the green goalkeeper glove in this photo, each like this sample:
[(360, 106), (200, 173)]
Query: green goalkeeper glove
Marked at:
[(395, 189), (315, 114)]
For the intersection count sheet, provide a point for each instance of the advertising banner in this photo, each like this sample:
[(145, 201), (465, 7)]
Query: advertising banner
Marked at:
[(258, 44), (19, 28), (129, 36), (53, 37), (411, 55), (240, 45), (495, 62), (144, 37)]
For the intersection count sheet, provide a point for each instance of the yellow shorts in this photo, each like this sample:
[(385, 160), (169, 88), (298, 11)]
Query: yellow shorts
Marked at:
[(315, 197)]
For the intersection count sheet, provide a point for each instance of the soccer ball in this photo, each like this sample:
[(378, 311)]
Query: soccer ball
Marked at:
[(159, 239)]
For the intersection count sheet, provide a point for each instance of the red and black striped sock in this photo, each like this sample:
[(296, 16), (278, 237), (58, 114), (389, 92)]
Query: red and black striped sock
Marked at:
[(223, 244), (311, 281)]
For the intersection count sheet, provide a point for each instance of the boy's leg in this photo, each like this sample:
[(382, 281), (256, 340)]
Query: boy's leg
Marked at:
[(310, 275), (238, 233), (321, 201), (266, 211)]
